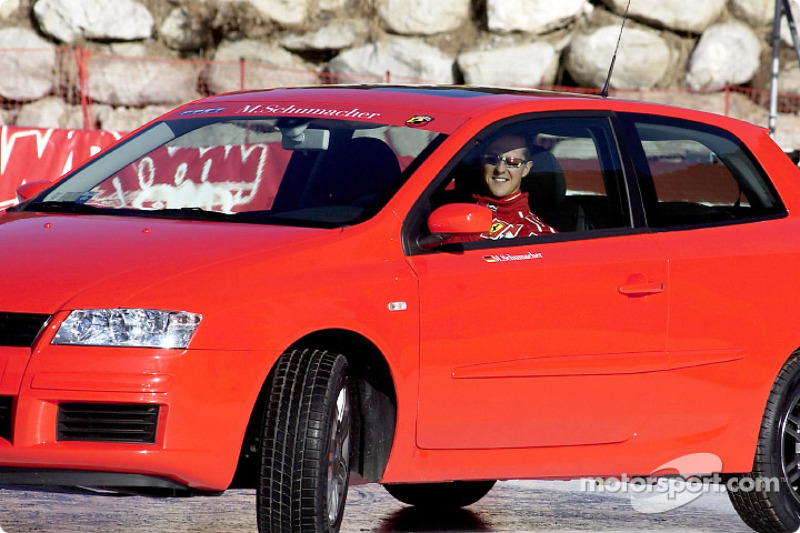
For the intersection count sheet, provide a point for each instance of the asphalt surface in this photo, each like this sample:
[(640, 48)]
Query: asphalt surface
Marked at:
[(512, 506)]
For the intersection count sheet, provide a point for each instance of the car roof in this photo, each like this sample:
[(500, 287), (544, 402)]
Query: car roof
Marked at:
[(444, 107)]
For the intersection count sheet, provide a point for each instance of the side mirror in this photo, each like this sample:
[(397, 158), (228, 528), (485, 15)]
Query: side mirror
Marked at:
[(31, 189), (455, 219)]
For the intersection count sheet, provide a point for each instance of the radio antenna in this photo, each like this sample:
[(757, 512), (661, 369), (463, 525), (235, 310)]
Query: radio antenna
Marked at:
[(604, 92)]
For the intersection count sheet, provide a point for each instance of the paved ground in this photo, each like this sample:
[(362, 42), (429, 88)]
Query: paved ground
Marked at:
[(514, 506)]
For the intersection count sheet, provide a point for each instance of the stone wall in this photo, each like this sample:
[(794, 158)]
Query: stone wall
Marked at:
[(667, 44)]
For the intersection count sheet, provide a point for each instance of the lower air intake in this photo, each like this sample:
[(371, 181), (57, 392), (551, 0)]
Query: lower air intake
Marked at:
[(6, 403), (104, 422)]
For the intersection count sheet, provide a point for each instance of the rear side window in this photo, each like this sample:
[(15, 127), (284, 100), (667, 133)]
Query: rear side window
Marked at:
[(693, 174)]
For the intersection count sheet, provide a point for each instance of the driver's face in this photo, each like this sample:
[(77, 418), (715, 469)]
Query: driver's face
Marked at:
[(504, 165)]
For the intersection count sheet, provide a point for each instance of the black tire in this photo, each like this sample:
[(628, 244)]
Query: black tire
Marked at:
[(449, 495), (307, 444), (754, 495)]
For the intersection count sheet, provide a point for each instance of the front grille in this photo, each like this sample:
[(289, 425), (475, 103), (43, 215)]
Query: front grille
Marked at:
[(20, 329), (105, 422), (6, 403)]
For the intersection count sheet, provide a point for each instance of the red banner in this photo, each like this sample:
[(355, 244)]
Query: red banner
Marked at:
[(32, 154)]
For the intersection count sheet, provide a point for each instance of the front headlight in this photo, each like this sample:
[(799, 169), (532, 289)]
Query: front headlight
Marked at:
[(140, 328)]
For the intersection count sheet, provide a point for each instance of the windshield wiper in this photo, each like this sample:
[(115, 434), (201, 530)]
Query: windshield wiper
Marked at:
[(66, 207), (192, 213)]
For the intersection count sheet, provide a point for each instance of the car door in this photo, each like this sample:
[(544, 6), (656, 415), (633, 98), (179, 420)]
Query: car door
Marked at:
[(549, 340), (715, 214)]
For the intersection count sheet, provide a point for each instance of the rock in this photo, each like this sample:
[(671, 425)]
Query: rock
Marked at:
[(7, 118), (287, 13), (528, 65), (284, 69), (787, 131), (423, 17), (405, 59), (127, 119), (642, 61), (28, 65), (8, 8), (183, 31), (789, 78), (727, 53), (786, 34), (534, 16), (71, 20), (138, 80), (331, 5), (50, 112), (756, 13), (336, 35), (681, 15)]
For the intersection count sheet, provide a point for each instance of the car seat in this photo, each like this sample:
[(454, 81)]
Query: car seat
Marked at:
[(547, 193), (356, 173)]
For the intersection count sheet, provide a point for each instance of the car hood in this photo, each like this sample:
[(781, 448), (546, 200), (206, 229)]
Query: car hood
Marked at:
[(49, 260)]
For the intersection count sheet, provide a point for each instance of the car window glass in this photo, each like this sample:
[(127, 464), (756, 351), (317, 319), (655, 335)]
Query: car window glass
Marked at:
[(575, 181), (696, 175)]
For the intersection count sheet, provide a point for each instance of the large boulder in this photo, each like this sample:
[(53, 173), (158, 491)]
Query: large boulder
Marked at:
[(643, 59), (133, 79), (28, 65), (127, 118), (786, 34), (7, 8), (51, 112), (104, 20), (727, 53), (331, 5), (680, 15), (7, 118), (265, 66), (402, 58), (528, 65), (756, 13), (336, 35), (534, 16), (423, 17), (182, 29), (287, 13)]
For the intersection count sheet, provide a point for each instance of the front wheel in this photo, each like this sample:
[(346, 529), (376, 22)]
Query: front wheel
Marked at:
[(306, 444), (450, 495), (768, 498)]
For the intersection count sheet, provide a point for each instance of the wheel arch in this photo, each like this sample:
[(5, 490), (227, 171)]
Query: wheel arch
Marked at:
[(377, 406)]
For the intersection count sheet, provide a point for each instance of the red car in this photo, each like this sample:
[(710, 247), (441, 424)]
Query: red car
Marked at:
[(434, 288)]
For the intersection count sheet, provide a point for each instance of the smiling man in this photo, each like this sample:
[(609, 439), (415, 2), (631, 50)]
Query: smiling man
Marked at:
[(504, 165)]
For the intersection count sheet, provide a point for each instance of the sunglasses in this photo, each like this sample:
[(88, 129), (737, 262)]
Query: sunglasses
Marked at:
[(511, 162)]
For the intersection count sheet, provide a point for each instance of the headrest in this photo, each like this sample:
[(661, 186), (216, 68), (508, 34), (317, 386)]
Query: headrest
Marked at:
[(364, 166), (545, 182)]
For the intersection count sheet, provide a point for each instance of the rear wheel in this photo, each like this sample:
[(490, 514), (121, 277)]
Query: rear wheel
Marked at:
[(440, 495), (768, 498), (306, 444)]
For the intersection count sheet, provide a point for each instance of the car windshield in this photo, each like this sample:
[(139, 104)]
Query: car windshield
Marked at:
[(316, 172)]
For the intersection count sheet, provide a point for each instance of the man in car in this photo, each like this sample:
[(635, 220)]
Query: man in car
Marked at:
[(504, 164)]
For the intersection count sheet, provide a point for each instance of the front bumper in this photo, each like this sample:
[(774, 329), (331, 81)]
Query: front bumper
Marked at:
[(178, 416)]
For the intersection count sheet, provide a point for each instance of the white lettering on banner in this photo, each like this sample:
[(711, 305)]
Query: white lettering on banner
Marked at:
[(291, 109), (185, 178), (7, 144), (28, 154)]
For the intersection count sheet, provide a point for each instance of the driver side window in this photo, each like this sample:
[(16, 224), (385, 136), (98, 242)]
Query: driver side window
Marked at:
[(559, 175)]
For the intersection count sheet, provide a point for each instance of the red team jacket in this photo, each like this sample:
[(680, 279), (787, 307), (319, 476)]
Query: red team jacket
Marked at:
[(512, 218)]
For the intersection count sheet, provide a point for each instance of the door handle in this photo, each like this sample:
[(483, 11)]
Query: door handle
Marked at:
[(639, 285)]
